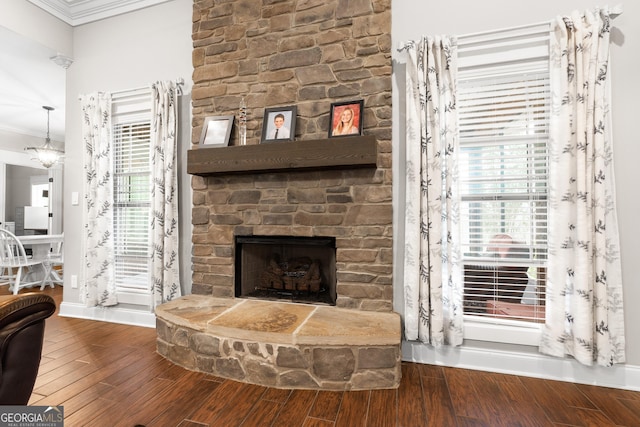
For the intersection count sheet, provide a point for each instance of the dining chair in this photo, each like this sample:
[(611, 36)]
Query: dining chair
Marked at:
[(53, 265), (14, 262)]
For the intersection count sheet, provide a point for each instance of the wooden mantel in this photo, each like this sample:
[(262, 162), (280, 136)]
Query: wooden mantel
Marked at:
[(354, 151)]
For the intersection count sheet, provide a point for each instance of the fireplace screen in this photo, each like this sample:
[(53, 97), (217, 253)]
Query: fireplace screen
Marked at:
[(297, 269)]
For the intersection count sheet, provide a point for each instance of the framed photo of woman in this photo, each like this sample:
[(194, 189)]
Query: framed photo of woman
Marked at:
[(346, 118)]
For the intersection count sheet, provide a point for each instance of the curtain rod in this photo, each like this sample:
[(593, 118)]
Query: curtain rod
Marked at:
[(614, 12), (179, 83), (502, 30)]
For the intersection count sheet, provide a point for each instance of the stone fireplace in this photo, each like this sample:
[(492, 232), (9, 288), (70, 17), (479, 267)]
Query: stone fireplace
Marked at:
[(309, 54)]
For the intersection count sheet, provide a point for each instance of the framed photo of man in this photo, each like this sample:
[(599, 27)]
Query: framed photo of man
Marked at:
[(216, 131), (279, 124), (346, 118)]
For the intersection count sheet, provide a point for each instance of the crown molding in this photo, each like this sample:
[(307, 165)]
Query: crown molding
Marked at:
[(78, 12)]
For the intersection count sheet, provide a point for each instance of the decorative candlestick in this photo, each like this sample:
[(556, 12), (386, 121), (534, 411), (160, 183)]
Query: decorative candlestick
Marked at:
[(242, 122)]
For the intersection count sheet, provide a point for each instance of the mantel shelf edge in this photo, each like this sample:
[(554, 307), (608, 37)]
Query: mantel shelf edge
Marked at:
[(344, 152)]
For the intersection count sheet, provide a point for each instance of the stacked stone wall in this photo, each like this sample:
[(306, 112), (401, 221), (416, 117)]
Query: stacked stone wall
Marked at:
[(307, 53), (348, 205)]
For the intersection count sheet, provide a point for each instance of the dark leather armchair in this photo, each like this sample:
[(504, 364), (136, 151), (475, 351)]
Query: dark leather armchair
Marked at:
[(22, 319)]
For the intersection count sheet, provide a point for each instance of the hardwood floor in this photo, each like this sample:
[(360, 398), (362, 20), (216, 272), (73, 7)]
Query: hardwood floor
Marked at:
[(107, 374)]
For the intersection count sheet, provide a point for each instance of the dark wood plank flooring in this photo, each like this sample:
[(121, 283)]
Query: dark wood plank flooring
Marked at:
[(110, 375)]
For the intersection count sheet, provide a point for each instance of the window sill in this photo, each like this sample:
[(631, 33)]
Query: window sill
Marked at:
[(134, 298), (502, 331)]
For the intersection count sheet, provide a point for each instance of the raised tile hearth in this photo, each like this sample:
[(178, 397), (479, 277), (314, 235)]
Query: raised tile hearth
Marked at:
[(280, 344)]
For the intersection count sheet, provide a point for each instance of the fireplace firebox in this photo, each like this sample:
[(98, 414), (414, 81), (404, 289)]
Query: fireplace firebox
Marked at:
[(295, 269)]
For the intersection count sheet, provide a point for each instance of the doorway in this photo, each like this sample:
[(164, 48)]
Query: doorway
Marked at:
[(24, 183)]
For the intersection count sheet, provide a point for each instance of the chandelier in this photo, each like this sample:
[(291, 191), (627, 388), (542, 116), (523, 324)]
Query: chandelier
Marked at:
[(46, 154)]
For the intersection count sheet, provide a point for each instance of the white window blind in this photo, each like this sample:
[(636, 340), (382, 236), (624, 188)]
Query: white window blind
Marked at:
[(131, 137), (503, 101)]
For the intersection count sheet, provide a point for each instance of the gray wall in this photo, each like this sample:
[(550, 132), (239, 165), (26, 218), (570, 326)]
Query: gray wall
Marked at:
[(30, 21), (125, 52)]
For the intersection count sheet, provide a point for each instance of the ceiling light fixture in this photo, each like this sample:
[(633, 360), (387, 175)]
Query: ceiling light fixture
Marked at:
[(62, 60), (47, 154)]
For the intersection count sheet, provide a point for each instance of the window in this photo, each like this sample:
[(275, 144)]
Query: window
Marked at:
[(132, 174), (503, 101)]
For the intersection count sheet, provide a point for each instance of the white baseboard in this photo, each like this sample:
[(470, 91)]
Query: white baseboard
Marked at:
[(523, 363), (112, 314)]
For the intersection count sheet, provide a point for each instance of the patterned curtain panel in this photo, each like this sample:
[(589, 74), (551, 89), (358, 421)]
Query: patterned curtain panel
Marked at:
[(164, 194), (584, 290), (98, 286), (432, 272)]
